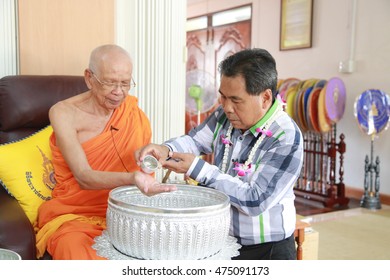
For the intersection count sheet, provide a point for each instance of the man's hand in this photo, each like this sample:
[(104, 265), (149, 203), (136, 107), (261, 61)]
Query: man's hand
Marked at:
[(149, 186), (178, 162)]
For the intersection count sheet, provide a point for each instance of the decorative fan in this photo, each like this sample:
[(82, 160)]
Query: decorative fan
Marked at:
[(201, 93), (372, 110)]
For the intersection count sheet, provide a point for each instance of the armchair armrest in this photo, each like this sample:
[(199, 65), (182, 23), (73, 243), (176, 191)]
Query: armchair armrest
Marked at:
[(16, 231)]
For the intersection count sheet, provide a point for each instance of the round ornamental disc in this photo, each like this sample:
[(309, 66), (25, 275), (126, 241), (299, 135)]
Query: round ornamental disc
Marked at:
[(320, 83), (313, 109), (335, 99), (372, 111), (286, 85), (306, 113), (298, 113), (280, 81), (290, 98), (323, 121)]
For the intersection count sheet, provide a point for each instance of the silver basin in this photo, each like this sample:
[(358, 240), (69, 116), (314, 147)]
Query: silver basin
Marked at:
[(190, 223)]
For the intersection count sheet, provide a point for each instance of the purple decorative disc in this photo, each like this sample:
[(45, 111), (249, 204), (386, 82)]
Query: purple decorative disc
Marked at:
[(372, 110), (335, 99)]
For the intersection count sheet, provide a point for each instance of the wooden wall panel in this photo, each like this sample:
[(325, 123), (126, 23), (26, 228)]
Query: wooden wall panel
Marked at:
[(57, 36)]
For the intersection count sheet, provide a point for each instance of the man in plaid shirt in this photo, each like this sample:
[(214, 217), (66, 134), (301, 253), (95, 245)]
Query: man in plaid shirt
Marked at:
[(258, 155)]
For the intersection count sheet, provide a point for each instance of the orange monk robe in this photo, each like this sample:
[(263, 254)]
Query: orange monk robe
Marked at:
[(68, 223)]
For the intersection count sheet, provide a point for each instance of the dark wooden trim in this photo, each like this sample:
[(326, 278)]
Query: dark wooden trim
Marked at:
[(355, 193)]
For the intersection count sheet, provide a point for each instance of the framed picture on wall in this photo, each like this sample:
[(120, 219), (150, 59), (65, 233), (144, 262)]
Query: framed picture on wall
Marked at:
[(296, 22)]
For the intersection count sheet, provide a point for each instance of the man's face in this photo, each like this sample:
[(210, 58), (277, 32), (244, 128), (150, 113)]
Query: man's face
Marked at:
[(242, 109)]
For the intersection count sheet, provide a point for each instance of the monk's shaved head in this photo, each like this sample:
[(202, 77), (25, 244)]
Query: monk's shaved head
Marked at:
[(105, 55)]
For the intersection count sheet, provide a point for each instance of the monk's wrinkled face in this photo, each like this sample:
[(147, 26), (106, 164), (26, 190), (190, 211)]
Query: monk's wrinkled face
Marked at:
[(242, 109), (112, 80)]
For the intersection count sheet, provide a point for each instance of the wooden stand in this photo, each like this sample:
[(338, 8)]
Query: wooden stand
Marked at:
[(299, 235), (318, 176)]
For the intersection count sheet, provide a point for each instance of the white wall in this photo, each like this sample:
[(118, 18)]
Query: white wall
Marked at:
[(8, 44), (331, 44), (155, 36)]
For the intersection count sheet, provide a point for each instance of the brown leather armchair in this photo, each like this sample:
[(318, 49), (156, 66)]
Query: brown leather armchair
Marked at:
[(24, 104)]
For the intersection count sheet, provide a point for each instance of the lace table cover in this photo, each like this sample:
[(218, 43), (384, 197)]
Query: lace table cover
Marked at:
[(105, 249)]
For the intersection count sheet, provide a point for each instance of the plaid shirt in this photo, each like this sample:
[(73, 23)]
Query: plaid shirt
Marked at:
[(262, 201)]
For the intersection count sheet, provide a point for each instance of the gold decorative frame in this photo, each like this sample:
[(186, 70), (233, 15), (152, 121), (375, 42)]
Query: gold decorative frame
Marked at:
[(296, 24)]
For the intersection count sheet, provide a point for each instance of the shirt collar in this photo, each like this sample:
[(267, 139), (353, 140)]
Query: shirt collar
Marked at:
[(265, 118)]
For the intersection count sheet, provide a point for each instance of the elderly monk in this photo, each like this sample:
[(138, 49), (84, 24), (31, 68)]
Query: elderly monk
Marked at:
[(94, 138)]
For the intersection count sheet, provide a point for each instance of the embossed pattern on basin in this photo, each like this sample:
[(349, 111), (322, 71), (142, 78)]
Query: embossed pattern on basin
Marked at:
[(190, 223)]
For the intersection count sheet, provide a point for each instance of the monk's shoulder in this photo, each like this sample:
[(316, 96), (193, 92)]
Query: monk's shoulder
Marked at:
[(67, 109), (62, 108)]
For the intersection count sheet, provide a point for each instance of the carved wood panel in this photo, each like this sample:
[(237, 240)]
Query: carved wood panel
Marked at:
[(206, 48)]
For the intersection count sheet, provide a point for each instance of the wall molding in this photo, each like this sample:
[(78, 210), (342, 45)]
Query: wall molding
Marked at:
[(355, 193)]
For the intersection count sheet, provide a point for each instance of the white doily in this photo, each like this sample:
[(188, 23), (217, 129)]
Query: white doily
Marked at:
[(105, 249)]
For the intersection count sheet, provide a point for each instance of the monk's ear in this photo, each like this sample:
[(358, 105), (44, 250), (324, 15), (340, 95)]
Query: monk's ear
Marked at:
[(88, 77)]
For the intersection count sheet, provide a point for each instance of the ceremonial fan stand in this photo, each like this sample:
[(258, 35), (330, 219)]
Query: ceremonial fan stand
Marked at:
[(372, 112), (370, 198)]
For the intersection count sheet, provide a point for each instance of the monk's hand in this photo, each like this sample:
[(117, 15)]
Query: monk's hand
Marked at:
[(178, 162), (149, 186)]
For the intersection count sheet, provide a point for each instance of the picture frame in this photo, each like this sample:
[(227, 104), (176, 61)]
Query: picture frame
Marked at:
[(296, 24)]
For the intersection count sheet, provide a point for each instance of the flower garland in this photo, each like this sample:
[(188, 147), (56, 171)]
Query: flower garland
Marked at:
[(245, 168)]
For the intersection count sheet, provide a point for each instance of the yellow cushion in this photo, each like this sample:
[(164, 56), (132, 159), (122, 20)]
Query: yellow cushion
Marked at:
[(26, 171)]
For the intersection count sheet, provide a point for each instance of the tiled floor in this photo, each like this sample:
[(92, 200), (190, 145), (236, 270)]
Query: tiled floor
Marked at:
[(324, 238), (339, 214)]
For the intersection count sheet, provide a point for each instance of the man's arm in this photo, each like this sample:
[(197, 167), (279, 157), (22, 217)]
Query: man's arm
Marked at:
[(278, 168)]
